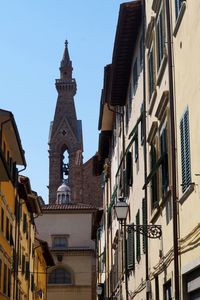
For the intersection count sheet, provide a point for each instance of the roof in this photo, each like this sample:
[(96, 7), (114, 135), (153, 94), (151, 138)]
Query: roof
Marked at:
[(126, 35), (8, 125), (67, 206), (46, 253)]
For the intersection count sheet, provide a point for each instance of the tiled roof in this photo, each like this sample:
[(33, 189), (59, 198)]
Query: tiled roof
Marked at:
[(69, 206)]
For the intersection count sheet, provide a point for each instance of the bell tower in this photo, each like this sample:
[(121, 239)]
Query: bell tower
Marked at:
[(65, 137)]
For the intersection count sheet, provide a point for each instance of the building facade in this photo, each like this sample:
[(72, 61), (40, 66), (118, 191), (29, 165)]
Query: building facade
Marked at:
[(148, 154)]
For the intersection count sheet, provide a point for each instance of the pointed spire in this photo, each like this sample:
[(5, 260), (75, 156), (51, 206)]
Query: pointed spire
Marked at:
[(65, 60), (66, 64)]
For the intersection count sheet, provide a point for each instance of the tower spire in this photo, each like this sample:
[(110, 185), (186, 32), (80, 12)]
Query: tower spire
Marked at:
[(66, 64)]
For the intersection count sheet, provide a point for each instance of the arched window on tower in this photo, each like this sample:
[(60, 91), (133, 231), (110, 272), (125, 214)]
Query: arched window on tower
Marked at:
[(65, 165), (60, 276)]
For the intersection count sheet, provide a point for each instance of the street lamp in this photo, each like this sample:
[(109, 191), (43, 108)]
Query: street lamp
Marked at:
[(121, 210)]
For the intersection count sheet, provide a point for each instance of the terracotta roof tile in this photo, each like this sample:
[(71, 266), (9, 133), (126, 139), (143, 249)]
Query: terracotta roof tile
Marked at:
[(69, 206)]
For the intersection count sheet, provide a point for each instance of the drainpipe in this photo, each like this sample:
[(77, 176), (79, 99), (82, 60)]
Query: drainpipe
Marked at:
[(173, 151), (145, 142)]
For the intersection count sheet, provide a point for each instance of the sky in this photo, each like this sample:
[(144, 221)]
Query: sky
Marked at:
[(32, 36)]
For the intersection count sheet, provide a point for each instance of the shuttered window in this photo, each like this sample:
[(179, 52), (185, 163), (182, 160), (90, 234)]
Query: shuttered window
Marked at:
[(144, 223), (185, 151), (135, 76), (129, 168), (130, 250), (7, 229), (9, 282), (5, 279), (27, 270), (0, 271), (164, 155), (160, 38), (23, 264), (138, 252), (151, 65), (154, 181), (136, 146)]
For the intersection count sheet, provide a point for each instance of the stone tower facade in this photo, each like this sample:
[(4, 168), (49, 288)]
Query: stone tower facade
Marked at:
[(65, 137)]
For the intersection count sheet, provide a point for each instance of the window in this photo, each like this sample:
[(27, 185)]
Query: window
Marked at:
[(23, 264), (136, 146), (141, 50), (2, 219), (7, 229), (130, 250), (168, 291), (32, 282), (135, 76), (157, 288), (138, 253), (27, 270), (129, 169), (185, 151), (5, 279), (0, 272), (160, 38), (24, 223), (142, 123), (9, 282), (154, 179), (178, 4), (59, 276), (164, 164), (144, 222), (60, 242), (151, 69)]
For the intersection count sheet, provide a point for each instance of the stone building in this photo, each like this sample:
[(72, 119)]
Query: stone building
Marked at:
[(74, 197)]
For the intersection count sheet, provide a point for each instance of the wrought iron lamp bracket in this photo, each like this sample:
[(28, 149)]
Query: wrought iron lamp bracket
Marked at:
[(151, 231)]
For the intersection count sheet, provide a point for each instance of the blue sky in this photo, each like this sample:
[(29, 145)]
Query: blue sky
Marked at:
[(32, 35)]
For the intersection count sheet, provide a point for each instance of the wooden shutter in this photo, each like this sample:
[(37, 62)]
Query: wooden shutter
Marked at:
[(144, 222), (185, 151), (138, 252), (27, 270), (129, 169), (130, 250), (164, 155), (154, 193)]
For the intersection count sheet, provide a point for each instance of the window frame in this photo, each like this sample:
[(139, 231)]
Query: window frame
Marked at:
[(54, 282), (56, 246)]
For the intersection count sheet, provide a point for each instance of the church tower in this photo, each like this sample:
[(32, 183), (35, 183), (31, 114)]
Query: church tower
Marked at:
[(65, 137)]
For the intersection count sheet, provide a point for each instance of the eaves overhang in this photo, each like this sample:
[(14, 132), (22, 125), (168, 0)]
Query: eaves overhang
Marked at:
[(9, 129), (106, 114), (129, 22)]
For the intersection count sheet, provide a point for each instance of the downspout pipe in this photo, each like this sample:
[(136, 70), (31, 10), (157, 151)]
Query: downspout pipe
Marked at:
[(173, 152)]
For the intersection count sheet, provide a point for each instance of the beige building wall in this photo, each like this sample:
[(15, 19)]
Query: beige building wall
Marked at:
[(77, 257)]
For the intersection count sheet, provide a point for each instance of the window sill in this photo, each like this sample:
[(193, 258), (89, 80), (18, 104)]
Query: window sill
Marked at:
[(187, 193), (179, 18), (161, 69)]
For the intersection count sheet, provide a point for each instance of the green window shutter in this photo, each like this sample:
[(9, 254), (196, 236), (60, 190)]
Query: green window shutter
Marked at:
[(185, 151), (144, 222), (135, 76), (130, 250), (154, 183), (2, 219), (138, 252), (151, 73), (164, 154), (129, 169), (0, 271), (136, 146), (160, 36)]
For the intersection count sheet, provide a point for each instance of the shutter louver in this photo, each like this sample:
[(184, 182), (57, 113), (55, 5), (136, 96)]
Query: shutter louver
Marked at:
[(130, 250), (138, 253), (144, 222), (129, 169), (185, 151)]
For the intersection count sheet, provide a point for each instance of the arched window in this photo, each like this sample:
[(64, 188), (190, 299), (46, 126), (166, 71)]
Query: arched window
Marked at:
[(59, 276)]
